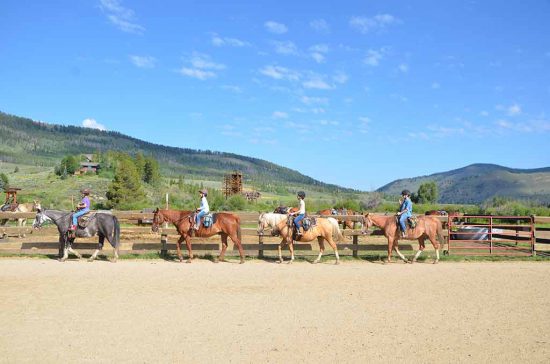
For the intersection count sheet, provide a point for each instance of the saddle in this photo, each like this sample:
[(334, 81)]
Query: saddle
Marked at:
[(308, 222), (207, 220), (412, 221), (84, 220)]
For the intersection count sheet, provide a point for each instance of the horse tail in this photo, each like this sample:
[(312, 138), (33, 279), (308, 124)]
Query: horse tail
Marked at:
[(440, 232), (115, 239), (336, 232)]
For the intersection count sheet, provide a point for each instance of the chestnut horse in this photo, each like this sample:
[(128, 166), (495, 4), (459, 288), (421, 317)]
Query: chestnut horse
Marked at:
[(340, 216), (323, 230), (225, 224), (428, 227)]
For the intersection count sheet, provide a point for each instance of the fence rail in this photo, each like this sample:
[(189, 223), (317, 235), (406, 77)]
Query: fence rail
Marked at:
[(512, 240)]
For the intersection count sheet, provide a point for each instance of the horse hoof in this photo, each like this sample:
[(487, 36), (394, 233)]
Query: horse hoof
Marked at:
[(189, 261), (436, 261), (290, 261), (409, 261), (315, 261), (216, 260), (62, 259), (279, 261), (337, 262), (242, 261), (90, 260)]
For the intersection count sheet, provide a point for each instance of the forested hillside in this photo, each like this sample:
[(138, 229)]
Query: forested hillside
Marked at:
[(479, 182), (29, 142)]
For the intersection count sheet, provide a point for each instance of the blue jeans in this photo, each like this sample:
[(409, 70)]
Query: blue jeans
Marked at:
[(297, 220), (403, 221), (79, 213), (198, 217)]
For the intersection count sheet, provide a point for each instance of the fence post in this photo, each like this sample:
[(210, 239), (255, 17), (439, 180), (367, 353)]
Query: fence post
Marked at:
[(261, 245), (533, 237), (163, 245), (355, 246)]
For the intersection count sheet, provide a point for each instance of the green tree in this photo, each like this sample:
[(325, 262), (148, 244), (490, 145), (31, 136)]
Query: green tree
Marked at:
[(69, 165), (151, 171), (4, 182), (140, 164), (427, 192), (125, 191)]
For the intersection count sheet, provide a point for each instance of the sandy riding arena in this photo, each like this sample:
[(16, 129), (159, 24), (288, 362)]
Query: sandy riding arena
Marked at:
[(160, 311)]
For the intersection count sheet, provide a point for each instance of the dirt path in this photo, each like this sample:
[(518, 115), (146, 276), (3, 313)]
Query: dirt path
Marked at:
[(157, 311)]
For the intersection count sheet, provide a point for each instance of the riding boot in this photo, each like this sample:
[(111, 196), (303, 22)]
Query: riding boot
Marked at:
[(403, 234)]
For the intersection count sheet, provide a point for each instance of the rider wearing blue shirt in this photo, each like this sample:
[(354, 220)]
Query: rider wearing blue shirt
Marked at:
[(203, 210), (405, 211)]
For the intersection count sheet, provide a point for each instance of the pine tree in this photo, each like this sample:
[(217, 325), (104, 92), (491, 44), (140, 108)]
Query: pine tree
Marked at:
[(125, 191), (151, 173)]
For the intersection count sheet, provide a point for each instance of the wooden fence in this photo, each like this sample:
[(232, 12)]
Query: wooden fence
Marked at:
[(138, 239)]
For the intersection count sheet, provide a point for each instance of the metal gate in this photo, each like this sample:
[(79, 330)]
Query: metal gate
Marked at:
[(491, 235)]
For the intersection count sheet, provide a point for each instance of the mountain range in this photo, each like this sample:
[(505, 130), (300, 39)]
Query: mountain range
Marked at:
[(36, 143), (479, 182)]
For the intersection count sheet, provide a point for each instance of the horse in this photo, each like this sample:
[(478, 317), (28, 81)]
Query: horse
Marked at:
[(22, 207), (325, 229), (224, 224), (102, 224), (428, 227), (284, 210), (338, 214), (436, 213)]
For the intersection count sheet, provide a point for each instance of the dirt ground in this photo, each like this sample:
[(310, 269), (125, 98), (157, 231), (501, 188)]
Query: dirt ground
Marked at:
[(160, 311)]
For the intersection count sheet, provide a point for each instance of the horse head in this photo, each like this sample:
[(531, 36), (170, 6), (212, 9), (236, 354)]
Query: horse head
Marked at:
[(158, 218), (40, 218), (367, 223)]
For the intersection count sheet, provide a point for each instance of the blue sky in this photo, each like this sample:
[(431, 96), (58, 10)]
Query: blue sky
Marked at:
[(356, 93)]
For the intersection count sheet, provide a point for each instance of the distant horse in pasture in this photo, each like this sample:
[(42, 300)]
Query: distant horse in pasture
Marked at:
[(224, 224), (324, 230), (428, 227), (340, 215), (103, 224), (436, 213)]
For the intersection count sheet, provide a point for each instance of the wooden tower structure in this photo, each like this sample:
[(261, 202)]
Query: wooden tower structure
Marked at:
[(232, 184)]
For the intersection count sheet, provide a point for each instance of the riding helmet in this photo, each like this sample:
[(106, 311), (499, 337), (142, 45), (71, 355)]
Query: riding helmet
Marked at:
[(85, 191), (302, 194), (405, 192), (204, 191)]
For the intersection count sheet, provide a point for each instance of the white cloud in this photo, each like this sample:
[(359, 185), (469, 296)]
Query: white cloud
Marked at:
[(532, 126), (219, 41), (197, 73), (202, 61), (373, 57), (436, 85), (316, 83), (280, 115), (122, 17), (329, 122), (340, 77), (320, 25), (93, 124), (514, 109), (364, 120), (403, 67), (285, 47), (232, 88), (202, 67), (484, 113), (280, 73), (313, 100), (143, 61), (275, 27), (377, 22), (318, 57)]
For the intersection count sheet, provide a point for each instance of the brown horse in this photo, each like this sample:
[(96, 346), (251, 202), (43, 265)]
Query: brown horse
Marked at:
[(340, 216), (225, 224), (436, 213), (325, 229), (428, 227)]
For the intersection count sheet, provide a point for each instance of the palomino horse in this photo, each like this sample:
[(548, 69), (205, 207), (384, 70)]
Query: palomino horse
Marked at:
[(224, 224), (428, 227), (104, 225), (325, 229), (22, 207)]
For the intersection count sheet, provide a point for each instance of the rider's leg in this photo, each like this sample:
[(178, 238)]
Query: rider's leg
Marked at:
[(403, 224), (198, 219), (298, 223)]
